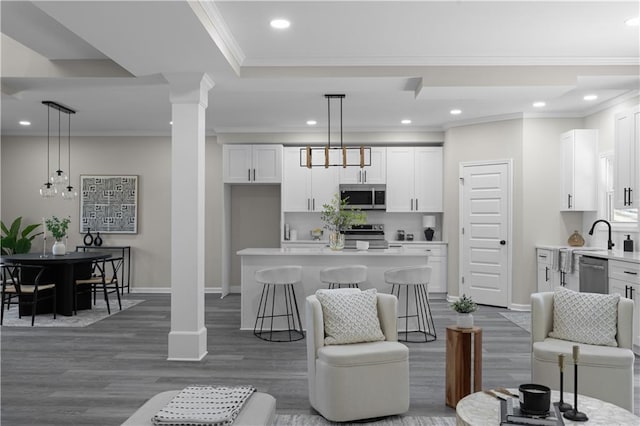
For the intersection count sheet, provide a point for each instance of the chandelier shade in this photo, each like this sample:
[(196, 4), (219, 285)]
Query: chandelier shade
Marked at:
[(335, 156)]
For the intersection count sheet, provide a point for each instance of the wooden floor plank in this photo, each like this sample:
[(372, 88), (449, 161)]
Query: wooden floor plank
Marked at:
[(99, 375)]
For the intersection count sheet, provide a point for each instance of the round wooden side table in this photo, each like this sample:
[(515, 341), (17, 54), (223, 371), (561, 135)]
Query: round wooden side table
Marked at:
[(458, 364)]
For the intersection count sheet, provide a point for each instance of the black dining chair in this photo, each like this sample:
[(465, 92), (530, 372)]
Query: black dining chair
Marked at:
[(24, 283), (104, 276)]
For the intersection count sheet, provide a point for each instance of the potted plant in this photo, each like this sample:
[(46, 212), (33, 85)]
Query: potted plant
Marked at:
[(338, 217), (15, 241), (464, 306), (58, 228)]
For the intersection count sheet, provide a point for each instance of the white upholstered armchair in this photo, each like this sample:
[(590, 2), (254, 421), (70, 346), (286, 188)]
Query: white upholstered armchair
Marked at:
[(604, 372), (357, 380)]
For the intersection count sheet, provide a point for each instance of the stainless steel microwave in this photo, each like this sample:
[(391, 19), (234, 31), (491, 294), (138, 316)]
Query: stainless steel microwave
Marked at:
[(365, 197)]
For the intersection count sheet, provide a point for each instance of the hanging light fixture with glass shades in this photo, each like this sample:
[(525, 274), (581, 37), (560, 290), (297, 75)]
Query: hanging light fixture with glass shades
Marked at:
[(338, 156), (58, 181)]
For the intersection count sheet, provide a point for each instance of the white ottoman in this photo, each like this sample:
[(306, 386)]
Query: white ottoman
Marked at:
[(260, 409)]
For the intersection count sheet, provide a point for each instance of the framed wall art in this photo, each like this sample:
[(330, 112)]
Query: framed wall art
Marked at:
[(109, 204)]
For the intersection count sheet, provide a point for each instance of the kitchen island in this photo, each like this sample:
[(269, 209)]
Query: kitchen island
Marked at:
[(312, 261)]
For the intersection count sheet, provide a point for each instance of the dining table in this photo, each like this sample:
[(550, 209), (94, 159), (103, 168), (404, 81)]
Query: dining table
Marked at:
[(63, 270)]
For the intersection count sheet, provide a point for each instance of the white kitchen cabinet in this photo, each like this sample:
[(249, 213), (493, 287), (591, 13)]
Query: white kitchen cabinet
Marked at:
[(436, 258), (579, 172), (624, 279), (376, 173), (304, 189), (414, 179), (548, 279), (627, 164), (252, 163)]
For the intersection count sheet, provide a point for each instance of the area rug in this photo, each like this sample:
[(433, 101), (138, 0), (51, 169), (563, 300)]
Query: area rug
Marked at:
[(84, 318), (521, 319), (314, 420)]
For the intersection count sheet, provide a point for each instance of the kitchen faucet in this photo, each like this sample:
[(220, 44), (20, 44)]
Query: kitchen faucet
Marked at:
[(609, 242)]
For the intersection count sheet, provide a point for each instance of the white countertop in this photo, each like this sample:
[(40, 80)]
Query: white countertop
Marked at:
[(600, 252), (325, 251)]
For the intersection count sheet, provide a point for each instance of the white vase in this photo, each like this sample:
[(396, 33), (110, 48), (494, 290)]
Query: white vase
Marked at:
[(59, 248), (464, 320)]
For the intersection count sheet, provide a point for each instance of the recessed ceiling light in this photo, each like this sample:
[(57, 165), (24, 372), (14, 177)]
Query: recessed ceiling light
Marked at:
[(280, 24), (633, 22), (539, 104), (311, 122), (25, 123), (406, 121), (455, 112), (171, 123), (590, 97)]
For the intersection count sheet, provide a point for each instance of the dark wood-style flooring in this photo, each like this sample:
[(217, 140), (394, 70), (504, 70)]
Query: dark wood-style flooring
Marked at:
[(100, 374)]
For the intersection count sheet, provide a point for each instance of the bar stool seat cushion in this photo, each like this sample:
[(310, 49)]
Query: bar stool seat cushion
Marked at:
[(408, 276), (350, 316), (353, 274)]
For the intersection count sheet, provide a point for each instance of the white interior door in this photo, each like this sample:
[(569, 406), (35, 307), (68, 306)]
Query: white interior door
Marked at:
[(485, 210)]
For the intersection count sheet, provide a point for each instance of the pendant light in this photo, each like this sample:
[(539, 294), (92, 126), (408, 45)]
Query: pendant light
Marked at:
[(58, 181), (335, 156), (69, 193), (47, 190), (59, 178)]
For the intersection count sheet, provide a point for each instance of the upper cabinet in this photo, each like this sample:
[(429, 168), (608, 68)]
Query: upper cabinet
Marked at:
[(579, 183), (252, 163), (375, 173), (627, 166), (414, 179), (304, 189)]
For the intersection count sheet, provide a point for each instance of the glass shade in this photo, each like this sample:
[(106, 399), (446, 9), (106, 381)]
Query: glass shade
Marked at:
[(59, 178), (47, 190), (69, 193)]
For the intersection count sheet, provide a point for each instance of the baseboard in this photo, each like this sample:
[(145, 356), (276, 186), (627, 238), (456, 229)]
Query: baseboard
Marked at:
[(167, 290), (512, 307)]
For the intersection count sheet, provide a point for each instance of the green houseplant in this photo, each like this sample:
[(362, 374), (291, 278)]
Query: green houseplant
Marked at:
[(464, 306), (58, 229), (16, 241), (338, 217)]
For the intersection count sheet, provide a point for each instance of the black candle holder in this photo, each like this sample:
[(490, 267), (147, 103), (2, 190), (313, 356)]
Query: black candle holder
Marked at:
[(574, 414), (562, 406)]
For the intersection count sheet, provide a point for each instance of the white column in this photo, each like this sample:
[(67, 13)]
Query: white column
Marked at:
[(189, 99)]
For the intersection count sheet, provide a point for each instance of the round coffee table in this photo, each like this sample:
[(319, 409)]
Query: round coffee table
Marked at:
[(482, 409)]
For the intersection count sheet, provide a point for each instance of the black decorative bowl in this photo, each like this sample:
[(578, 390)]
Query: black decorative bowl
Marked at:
[(535, 400)]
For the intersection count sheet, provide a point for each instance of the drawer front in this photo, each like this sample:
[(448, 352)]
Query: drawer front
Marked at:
[(429, 250), (624, 271), (544, 257)]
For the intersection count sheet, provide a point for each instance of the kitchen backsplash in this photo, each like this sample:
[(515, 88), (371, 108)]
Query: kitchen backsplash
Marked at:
[(411, 223)]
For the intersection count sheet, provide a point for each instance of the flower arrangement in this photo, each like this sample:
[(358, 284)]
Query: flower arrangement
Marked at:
[(58, 227), (338, 216), (464, 305)]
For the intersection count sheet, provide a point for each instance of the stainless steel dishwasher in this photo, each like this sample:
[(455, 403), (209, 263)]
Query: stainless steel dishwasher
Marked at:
[(594, 274)]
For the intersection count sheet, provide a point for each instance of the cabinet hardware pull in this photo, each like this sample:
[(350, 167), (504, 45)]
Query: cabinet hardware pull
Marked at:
[(365, 176), (254, 175), (249, 175), (542, 256), (359, 176), (569, 201), (624, 203), (546, 273), (308, 204), (314, 204), (630, 273), (416, 204), (630, 202), (412, 204), (626, 291)]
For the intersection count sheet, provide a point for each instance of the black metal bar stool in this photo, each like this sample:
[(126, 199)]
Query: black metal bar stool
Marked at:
[(417, 278), (272, 279), (344, 276)]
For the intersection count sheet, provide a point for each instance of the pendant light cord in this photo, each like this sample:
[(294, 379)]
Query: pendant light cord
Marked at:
[(59, 130), (69, 150), (48, 142)]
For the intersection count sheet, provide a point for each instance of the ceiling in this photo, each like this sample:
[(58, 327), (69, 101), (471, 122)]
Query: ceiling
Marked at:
[(393, 60)]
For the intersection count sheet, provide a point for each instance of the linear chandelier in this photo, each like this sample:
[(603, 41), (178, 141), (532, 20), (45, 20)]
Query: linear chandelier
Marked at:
[(339, 156), (57, 180)]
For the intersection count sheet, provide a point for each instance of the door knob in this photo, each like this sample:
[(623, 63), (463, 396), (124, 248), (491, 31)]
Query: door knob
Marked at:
[(502, 242)]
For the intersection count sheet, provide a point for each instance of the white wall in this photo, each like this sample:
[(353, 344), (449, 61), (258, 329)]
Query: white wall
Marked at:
[(23, 172)]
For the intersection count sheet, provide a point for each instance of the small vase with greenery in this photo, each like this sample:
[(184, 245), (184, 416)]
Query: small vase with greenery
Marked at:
[(15, 241), (464, 306), (58, 229), (339, 217)]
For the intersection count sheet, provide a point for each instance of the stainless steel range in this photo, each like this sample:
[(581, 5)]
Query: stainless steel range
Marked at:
[(373, 233)]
